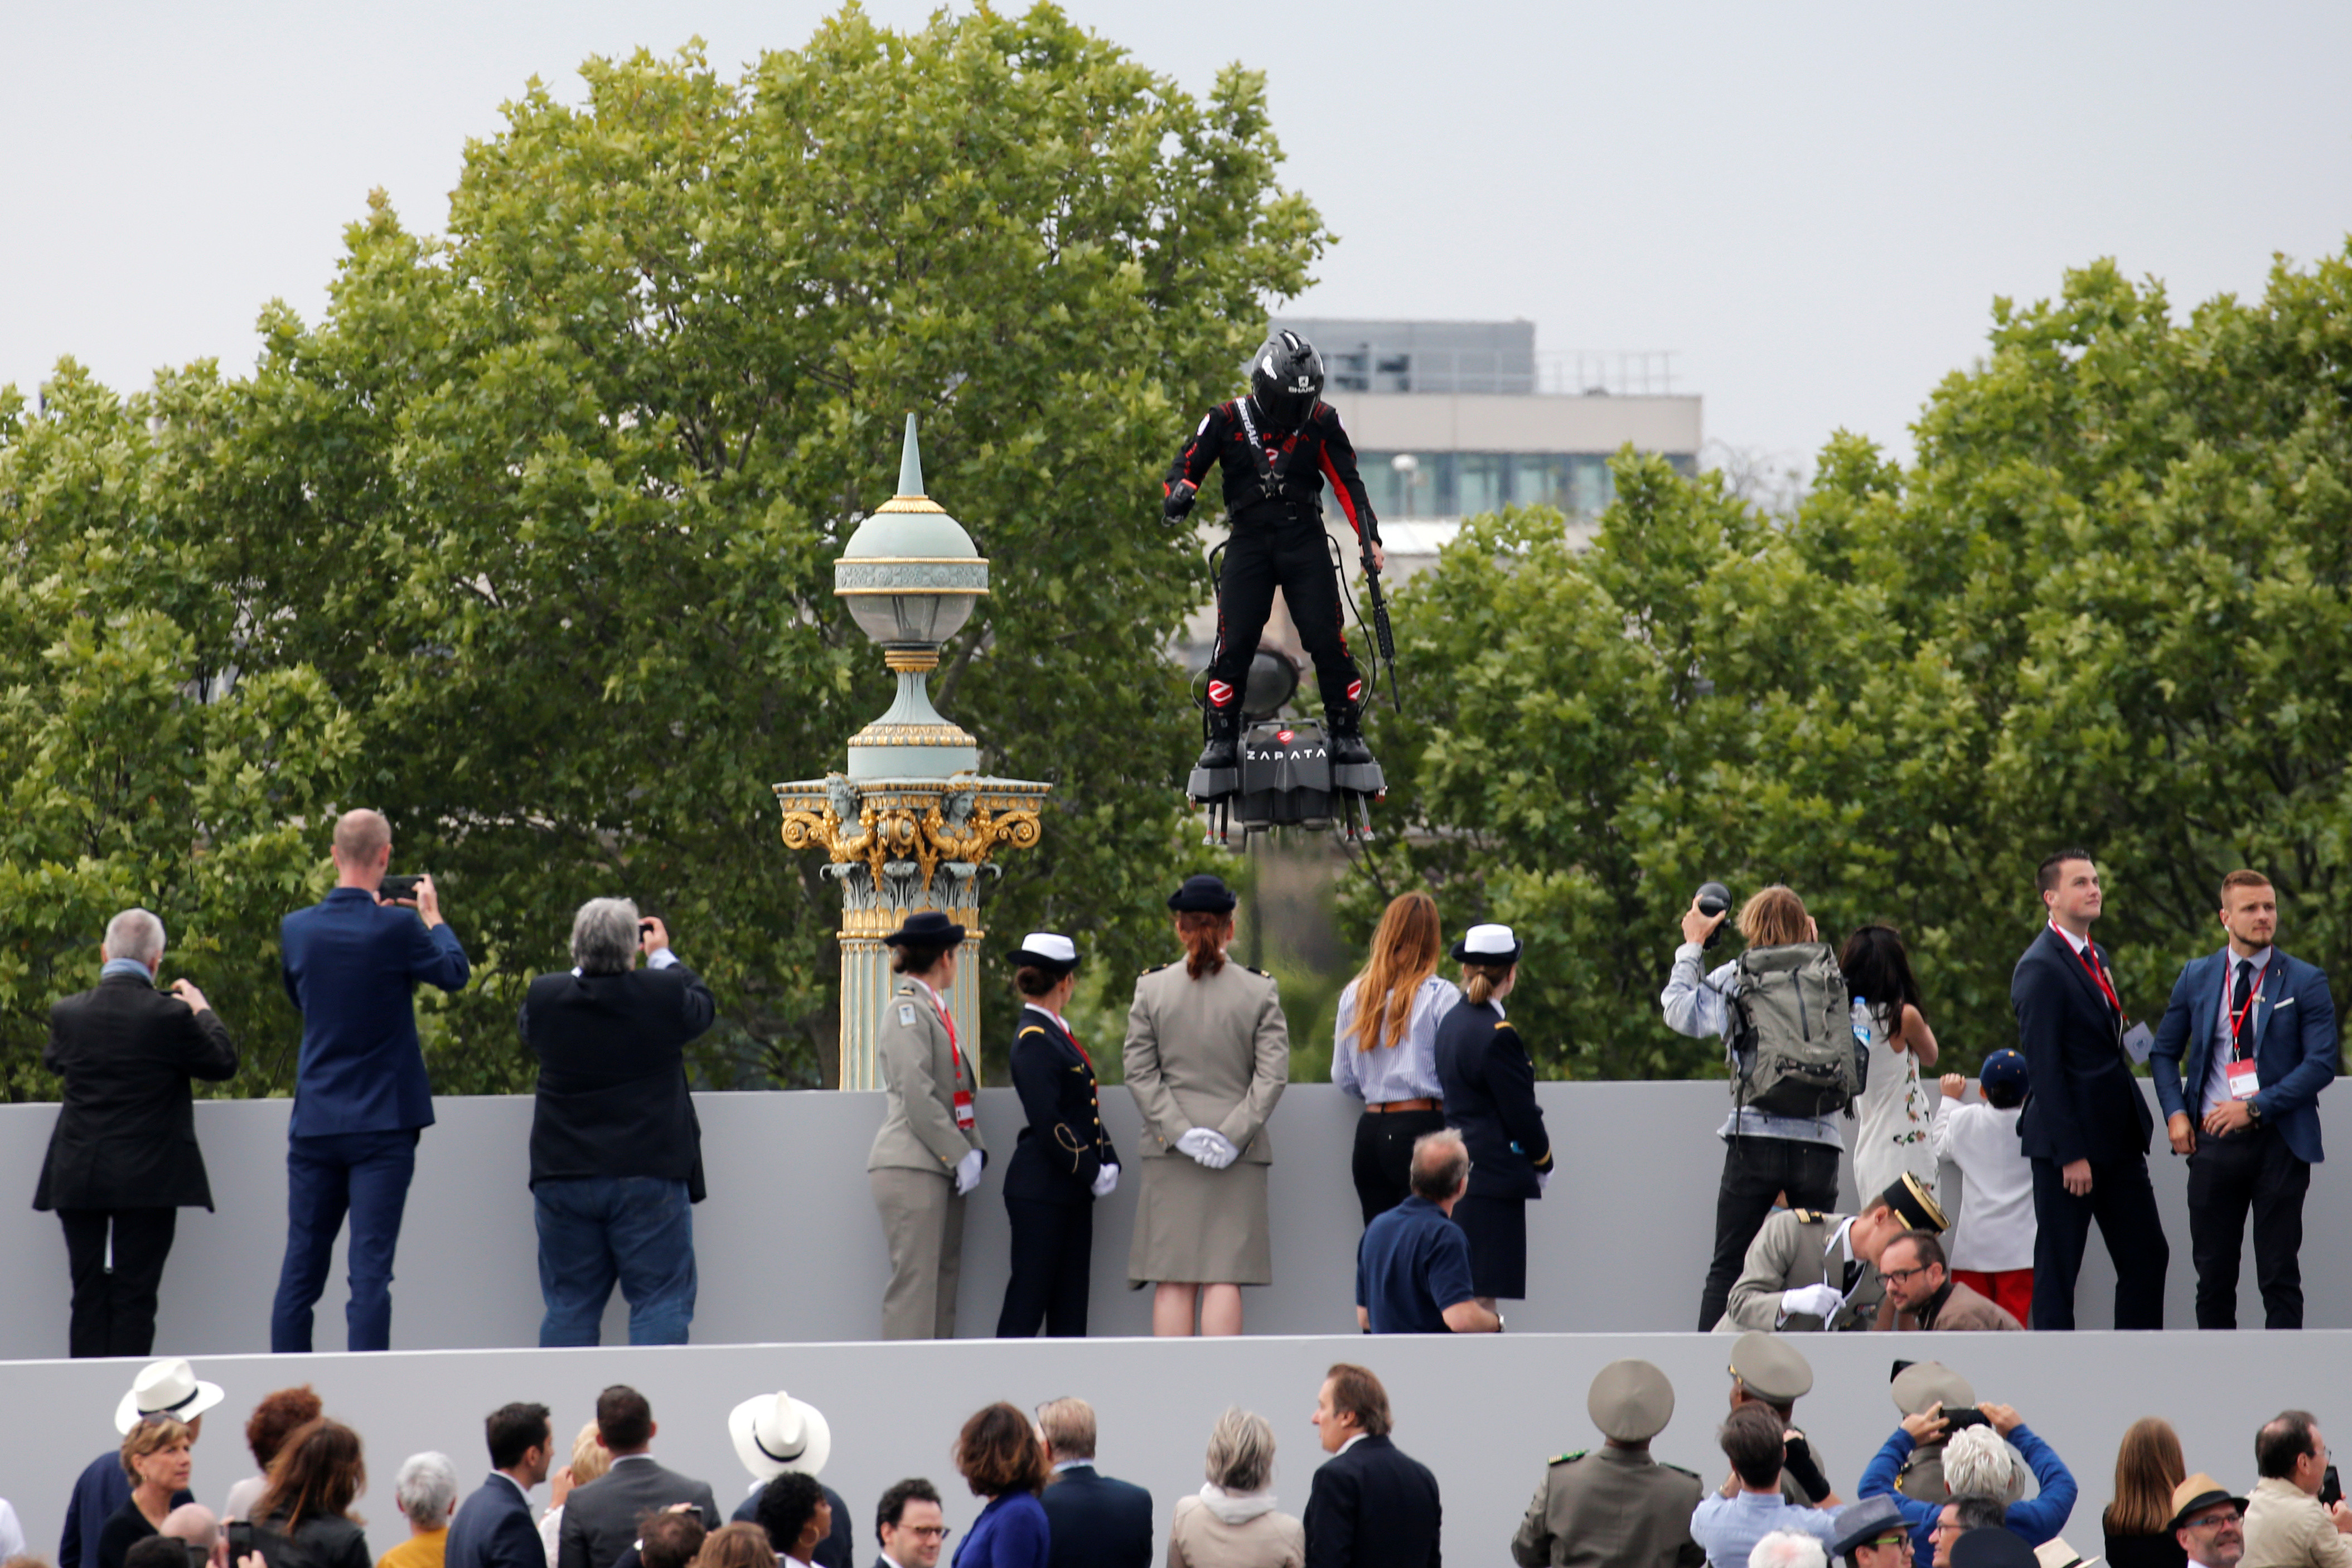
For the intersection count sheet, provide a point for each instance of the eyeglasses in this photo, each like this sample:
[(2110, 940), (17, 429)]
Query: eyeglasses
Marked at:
[(1905, 1274), (1891, 1543), (930, 1531), (2213, 1520)]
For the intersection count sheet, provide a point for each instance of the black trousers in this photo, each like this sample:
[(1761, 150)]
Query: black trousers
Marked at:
[(2252, 1170), (2124, 1203), (1756, 1172), (114, 1308), (1294, 558), (1052, 1260), (1383, 1162)]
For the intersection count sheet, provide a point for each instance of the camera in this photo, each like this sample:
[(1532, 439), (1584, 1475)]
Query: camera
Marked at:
[(1966, 1416), (644, 930), (1714, 899), (398, 886)]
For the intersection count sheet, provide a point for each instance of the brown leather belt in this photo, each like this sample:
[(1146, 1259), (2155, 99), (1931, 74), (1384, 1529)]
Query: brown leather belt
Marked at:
[(1390, 1107)]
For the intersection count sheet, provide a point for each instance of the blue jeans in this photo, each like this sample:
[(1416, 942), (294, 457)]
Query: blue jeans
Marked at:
[(365, 1174), (595, 1229)]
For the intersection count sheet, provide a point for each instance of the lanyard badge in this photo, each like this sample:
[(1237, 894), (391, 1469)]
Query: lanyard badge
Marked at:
[(964, 1118)]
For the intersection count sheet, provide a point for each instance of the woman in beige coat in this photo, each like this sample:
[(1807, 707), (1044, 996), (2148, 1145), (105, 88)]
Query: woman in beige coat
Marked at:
[(1231, 1522), (1207, 1055)]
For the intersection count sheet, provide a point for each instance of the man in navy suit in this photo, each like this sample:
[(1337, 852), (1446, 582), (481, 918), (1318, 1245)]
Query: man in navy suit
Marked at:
[(1093, 1521), (1371, 1505), (2085, 1125), (493, 1528), (2259, 1032), (351, 966)]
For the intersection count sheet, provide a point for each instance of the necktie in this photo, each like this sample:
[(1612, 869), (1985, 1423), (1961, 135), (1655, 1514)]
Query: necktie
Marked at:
[(2239, 1011)]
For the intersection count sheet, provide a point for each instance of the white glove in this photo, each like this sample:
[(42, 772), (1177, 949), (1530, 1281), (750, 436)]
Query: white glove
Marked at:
[(1210, 1147), (1543, 1181), (1106, 1181), (967, 1172), (1821, 1302)]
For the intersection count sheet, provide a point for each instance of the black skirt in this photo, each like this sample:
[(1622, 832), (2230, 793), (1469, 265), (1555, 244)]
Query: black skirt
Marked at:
[(1497, 1229)]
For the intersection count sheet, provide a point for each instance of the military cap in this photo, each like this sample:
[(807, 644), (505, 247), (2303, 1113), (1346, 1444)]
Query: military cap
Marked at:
[(1631, 1401), (926, 928), (1203, 894), (1864, 1522), (1921, 1384), (2197, 1493), (1770, 1368), (1913, 1205), (1992, 1549)]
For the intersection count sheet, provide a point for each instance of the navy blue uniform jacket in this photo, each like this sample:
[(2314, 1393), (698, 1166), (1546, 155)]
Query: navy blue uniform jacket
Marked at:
[(1064, 1143), (352, 968), (2084, 1103), (1490, 1096), (2295, 1043)]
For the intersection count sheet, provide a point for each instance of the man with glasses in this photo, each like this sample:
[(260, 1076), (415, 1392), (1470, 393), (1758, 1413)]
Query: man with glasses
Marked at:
[(1958, 1518), (1922, 1294), (2286, 1524), (2206, 1521), (1873, 1533), (910, 1526)]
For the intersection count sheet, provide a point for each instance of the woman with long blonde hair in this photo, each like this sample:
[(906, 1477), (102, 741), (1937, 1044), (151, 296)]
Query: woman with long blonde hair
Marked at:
[(1385, 1049), (2138, 1522), (1208, 1055)]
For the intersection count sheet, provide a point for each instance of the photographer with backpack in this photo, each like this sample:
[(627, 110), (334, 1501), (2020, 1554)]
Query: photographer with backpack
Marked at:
[(1782, 1012)]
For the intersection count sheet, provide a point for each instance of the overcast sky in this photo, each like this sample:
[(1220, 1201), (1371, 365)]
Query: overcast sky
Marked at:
[(1814, 205)]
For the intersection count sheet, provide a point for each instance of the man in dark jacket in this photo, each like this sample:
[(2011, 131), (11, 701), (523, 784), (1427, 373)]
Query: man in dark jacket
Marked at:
[(494, 1527), (2085, 1124), (615, 1149), (351, 964), (601, 1519), (1096, 1522), (122, 1157), (1370, 1505)]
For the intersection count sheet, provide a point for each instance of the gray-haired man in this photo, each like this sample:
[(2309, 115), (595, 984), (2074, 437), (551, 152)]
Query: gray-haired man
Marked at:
[(615, 1149)]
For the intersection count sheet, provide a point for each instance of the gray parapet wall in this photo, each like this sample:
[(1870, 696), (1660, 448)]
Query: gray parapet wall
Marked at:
[(788, 1249)]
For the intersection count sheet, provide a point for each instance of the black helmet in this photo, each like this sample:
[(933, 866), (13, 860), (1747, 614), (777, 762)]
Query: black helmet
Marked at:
[(1286, 380)]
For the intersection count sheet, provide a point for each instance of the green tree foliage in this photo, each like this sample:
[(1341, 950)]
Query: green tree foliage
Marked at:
[(2106, 606), (543, 513)]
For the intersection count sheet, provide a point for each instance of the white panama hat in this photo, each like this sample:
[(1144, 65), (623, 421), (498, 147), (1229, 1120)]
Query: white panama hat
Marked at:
[(774, 1433), (166, 1388)]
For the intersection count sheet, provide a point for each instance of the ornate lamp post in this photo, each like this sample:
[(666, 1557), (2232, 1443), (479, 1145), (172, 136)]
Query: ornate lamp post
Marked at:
[(911, 824)]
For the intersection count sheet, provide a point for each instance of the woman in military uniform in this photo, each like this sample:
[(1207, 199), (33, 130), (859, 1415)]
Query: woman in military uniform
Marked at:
[(928, 1154), (1064, 1161), (1208, 1054), (1490, 1095)]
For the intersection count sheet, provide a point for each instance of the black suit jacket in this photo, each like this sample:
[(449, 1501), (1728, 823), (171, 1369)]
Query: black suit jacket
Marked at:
[(1373, 1507), (1096, 1522), (601, 1519), (1064, 1143), (1490, 1096), (494, 1530), (612, 1098), (126, 1136), (2084, 1102)]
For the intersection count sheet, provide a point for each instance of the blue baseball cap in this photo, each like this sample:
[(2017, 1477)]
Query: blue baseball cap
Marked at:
[(2003, 1067)]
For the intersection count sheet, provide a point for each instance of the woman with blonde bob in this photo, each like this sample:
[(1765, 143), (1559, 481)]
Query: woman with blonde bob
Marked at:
[(1385, 1049), (1208, 1055), (1764, 1155), (155, 1455), (1232, 1522)]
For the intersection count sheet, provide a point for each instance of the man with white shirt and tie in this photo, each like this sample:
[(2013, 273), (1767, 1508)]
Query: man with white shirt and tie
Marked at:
[(2257, 1032), (493, 1528), (2085, 1126)]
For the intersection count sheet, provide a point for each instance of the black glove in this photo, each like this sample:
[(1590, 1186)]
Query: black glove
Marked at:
[(1799, 1462), (1180, 500)]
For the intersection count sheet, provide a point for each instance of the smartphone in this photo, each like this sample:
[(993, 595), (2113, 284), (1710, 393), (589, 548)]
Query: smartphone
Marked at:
[(399, 887), (2331, 1489)]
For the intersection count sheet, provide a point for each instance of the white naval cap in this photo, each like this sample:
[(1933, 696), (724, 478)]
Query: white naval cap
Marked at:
[(1051, 944), (1489, 942)]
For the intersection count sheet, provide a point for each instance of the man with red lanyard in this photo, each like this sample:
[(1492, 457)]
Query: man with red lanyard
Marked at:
[(2085, 1126), (928, 1154), (2259, 1032)]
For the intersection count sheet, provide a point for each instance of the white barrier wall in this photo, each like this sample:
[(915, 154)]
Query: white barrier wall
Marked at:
[(1484, 1413), (789, 1248)]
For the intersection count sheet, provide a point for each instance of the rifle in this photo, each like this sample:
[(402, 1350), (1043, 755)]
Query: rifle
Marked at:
[(1381, 635)]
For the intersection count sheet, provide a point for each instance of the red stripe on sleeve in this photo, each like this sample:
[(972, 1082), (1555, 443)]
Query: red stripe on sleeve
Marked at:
[(1346, 504)]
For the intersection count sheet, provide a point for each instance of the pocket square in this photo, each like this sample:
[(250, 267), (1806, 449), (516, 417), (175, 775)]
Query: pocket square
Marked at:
[(2288, 1002)]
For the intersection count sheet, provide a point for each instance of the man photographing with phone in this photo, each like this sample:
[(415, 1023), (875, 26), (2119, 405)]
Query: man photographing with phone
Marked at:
[(351, 964)]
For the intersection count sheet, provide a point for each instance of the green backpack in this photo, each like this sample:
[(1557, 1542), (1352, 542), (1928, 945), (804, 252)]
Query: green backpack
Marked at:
[(1792, 1033)]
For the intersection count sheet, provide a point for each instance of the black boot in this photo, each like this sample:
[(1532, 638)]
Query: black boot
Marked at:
[(1348, 748), (1224, 747)]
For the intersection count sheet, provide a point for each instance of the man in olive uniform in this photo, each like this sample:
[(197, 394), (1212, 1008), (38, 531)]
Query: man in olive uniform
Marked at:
[(1615, 1506), (1919, 1388), (1808, 1270), (1768, 1370)]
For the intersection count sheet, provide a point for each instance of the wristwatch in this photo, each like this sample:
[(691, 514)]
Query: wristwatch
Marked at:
[(2254, 1114)]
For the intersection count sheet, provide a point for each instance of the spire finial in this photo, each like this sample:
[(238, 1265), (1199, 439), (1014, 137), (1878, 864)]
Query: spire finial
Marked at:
[(910, 463)]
